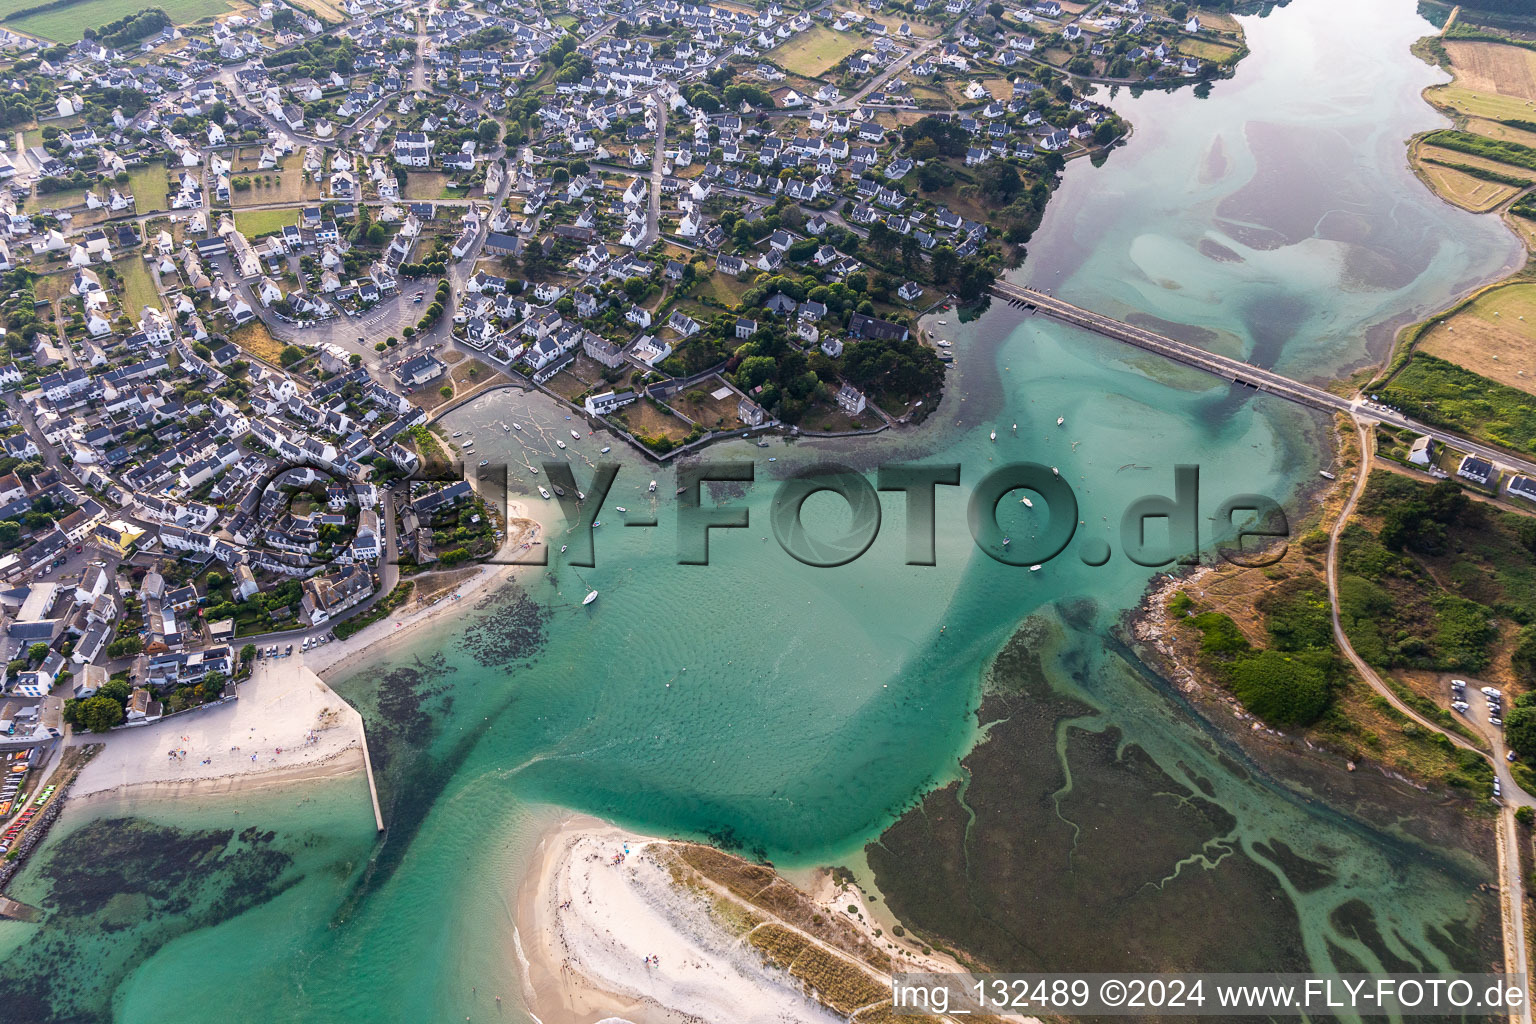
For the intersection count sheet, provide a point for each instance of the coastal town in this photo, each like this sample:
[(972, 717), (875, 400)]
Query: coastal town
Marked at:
[(680, 222)]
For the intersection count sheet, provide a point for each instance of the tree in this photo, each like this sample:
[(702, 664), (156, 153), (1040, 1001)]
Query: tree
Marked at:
[(98, 713), (37, 652), (290, 355), (247, 654), (1520, 727)]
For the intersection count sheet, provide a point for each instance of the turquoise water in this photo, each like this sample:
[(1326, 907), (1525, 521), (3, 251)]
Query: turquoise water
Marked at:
[(795, 711)]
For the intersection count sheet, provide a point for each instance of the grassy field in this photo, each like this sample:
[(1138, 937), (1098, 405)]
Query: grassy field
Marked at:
[(813, 52), (323, 10), (68, 24), (1480, 104), (287, 186), (1494, 335), (138, 286), (1443, 394), (1464, 190), (149, 185), (725, 290), (426, 185), (258, 341), (1205, 49), (1502, 132), (260, 222), (647, 419), (699, 404)]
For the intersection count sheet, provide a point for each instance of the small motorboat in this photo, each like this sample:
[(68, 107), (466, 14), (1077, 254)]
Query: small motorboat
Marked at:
[(559, 491), (516, 425), (581, 495), (607, 449), (762, 444), (458, 433), (1055, 471), (680, 490), (575, 436), (1026, 502), (559, 443), (1015, 428), (943, 343), (1034, 568), (994, 435), (485, 462), (596, 524), (1007, 541), (620, 508), (534, 470), (652, 488), (773, 460), (562, 549), (589, 598), (543, 493), (505, 427)]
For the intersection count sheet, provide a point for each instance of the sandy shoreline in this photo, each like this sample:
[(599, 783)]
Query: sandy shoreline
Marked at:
[(286, 723), (585, 926)]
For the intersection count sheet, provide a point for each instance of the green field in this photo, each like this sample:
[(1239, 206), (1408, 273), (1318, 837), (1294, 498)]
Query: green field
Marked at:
[(1480, 104), (262, 222), (1443, 394), (68, 24), (813, 52), (138, 286), (149, 185)]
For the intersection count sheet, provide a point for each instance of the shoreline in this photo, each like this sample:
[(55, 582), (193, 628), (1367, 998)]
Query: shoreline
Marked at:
[(377, 637)]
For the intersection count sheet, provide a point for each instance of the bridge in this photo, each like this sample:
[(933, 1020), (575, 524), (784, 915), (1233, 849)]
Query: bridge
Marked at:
[(1242, 374), (1234, 370)]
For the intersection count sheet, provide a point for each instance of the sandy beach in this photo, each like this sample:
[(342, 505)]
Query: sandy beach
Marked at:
[(286, 723), (586, 925)]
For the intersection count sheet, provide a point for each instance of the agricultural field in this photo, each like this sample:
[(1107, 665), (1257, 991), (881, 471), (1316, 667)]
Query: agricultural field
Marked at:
[(68, 24), (1480, 104), (1466, 191), (815, 51), (1503, 132), (1494, 335), (253, 223), (285, 184), (323, 9), (138, 286), (1494, 68)]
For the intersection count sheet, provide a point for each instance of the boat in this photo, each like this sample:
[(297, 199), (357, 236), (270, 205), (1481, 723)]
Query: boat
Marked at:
[(1007, 541), (562, 549), (581, 495), (505, 427), (589, 598), (1060, 420), (544, 493), (773, 460), (516, 425), (762, 444), (559, 491), (1326, 475), (485, 462), (680, 490), (559, 442), (652, 488), (458, 433), (943, 343), (943, 322), (1055, 471), (575, 436), (607, 448), (1034, 568), (994, 435), (597, 524), (534, 470), (1015, 428), (1026, 502), (621, 508)]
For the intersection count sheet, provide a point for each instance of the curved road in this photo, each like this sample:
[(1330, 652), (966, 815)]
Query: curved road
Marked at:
[(1511, 883)]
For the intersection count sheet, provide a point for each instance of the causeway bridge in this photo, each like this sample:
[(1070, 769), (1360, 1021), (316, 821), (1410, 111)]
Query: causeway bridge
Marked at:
[(1242, 374)]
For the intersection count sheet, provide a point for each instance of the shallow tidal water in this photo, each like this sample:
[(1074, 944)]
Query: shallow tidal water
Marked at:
[(795, 712)]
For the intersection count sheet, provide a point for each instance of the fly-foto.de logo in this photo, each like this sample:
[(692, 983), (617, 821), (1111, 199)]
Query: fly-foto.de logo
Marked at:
[(1154, 529)]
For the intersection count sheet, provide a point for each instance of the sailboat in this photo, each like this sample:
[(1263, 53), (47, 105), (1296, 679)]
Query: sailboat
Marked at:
[(1015, 428), (1060, 420), (589, 598)]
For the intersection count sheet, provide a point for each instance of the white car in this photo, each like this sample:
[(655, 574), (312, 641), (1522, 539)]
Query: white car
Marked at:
[(1489, 691), (1458, 684)]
